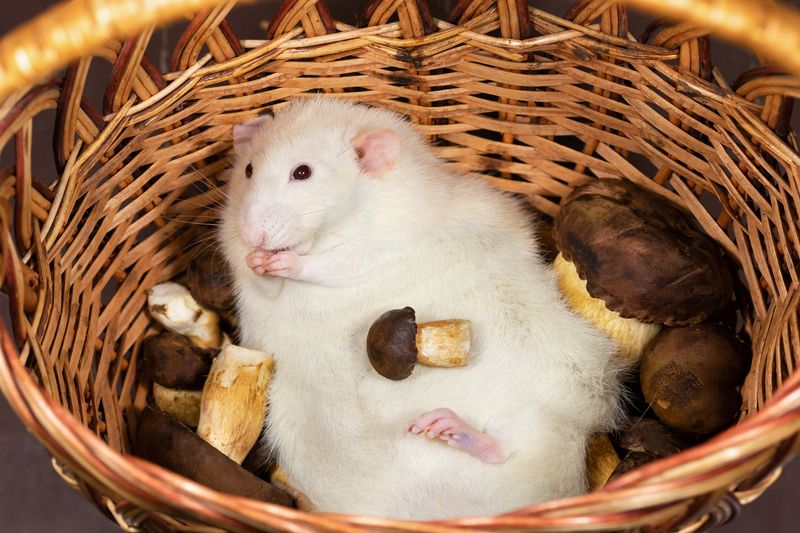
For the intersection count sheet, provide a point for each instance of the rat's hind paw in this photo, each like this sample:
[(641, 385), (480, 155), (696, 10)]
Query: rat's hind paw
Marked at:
[(445, 425)]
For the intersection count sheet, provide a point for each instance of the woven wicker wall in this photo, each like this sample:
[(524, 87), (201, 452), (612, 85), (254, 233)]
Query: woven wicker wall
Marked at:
[(141, 160)]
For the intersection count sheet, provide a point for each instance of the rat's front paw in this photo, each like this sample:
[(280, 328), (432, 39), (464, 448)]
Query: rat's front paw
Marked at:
[(445, 425), (284, 264)]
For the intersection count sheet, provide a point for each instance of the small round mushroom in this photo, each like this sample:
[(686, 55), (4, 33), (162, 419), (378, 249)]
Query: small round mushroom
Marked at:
[(209, 280), (691, 377), (642, 257), (631, 461), (174, 361), (650, 436), (178, 369), (396, 343)]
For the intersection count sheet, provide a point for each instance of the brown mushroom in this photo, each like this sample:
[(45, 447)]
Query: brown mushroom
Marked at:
[(396, 343), (165, 441), (650, 436), (641, 256), (182, 404), (631, 461), (209, 280), (174, 361), (178, 369), (691, 377)]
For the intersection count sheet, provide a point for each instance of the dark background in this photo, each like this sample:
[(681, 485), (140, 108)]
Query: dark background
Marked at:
[(33, 499)]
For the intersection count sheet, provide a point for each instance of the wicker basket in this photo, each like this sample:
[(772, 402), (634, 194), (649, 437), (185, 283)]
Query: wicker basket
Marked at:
[(535, 103)]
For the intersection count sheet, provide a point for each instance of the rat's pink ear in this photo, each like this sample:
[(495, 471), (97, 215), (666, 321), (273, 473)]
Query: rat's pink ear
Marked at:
[(243, 134), (377, 150)]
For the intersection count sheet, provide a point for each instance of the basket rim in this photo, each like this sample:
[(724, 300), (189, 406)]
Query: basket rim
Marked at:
[(65, 437)]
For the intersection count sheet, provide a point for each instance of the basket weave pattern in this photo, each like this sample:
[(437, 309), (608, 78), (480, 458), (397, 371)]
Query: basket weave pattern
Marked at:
[(534, 103)]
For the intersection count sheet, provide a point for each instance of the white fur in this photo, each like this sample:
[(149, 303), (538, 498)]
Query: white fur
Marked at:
[(539, 378)]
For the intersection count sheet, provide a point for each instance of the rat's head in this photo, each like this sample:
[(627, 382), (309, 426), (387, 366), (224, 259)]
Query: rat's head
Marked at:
[(297, 173)]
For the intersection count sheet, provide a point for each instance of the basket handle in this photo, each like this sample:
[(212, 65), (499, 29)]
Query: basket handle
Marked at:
[(73, 29)]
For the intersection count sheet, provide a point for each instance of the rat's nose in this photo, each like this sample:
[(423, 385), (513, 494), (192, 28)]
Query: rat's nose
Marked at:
[(254, 236)]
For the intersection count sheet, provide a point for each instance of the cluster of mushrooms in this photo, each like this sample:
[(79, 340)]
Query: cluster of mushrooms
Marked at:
[(639, 270), (626, 259), (203, 381)]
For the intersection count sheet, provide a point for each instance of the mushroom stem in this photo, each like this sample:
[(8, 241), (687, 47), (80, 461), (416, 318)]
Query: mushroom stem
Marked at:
[(631, 335), (173, 306), (183, 405), (280, 480), (234, 401), (601, 460), (443, 343)]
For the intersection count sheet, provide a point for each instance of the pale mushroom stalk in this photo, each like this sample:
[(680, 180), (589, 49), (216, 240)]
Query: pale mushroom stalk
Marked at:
[(631, 335), (182, 404), (173, 306), (233, 406)]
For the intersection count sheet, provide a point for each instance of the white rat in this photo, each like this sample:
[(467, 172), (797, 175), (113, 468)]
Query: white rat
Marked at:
[(338, 212)]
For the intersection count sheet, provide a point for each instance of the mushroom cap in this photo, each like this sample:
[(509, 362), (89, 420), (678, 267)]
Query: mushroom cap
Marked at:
[(165, 441), (691, 377), (173, 361), (392, 343), (650, 436), (641, 254), (631, 461), (209, 280)]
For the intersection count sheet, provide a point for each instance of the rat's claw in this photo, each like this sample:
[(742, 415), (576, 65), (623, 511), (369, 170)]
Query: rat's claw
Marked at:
[(283, 264)]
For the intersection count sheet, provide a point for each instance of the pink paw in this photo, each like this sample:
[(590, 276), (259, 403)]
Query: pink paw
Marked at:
[(445, 425), (282, 264)]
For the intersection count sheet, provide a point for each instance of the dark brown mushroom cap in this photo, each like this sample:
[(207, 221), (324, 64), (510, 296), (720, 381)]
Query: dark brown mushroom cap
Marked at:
[(691, 377), (175, 362), (392, 343), (166, 442), (642, 255), (632, 461), (209, 280), (650, 436)]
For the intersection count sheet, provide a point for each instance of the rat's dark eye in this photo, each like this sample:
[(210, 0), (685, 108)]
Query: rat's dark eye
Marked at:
[(301, 172), (248, 170)]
